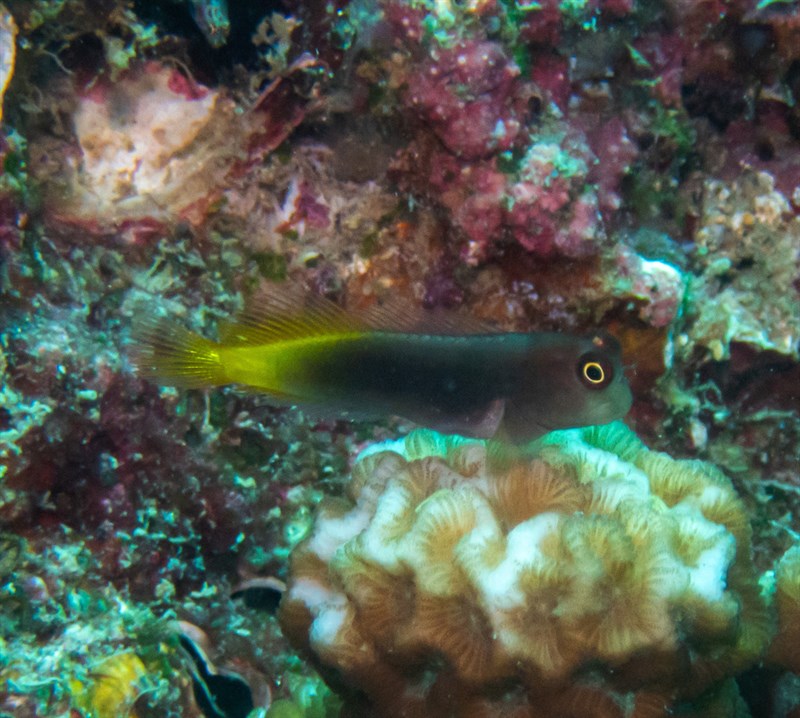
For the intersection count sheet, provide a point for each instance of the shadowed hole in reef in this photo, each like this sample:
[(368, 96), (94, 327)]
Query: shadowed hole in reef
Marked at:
[(177, 18), (753, 379), (218, 695), (260, 594), (719, 102), (757, 688)]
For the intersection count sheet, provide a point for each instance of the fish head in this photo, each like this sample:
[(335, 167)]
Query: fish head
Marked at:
[(569, 381)]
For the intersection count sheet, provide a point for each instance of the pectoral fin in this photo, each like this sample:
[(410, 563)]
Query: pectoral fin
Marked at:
[(480, 424)]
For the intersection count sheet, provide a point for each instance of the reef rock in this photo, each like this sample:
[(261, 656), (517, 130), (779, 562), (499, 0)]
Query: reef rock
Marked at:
[(747, 290)]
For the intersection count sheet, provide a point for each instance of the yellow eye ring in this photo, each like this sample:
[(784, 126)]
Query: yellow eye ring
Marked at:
[(593, 372)]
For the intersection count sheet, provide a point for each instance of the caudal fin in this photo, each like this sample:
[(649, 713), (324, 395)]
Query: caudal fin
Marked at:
[(170, 354)]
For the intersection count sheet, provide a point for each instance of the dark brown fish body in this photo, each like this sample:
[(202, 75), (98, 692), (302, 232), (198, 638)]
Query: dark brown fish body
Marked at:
[(515, 385), (470, 385)]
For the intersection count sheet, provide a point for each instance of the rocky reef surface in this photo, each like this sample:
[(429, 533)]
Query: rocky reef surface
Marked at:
[(554, 165)]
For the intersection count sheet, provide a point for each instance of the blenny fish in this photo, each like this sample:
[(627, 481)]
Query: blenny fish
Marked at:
[(477, 383)]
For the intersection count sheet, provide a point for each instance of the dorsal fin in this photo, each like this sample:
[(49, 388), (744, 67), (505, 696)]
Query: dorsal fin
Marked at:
[(293, 314), (288, 315), (395, 316)]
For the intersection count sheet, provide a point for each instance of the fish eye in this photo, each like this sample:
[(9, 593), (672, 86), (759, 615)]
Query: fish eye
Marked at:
[(594, 371)]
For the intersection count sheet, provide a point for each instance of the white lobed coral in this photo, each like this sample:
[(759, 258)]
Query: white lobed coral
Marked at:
[(592, 567), (8, 51), (784, 649), (138, 142), (153, 147)]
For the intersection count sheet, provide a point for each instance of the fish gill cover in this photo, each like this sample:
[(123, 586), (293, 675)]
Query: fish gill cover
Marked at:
[(595, 167)]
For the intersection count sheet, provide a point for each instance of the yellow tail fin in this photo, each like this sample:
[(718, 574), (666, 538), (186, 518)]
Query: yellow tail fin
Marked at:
[(170, 354)]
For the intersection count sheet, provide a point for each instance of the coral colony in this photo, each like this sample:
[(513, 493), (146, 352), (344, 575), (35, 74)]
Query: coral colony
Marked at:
[(595, 573), (621, 173)]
